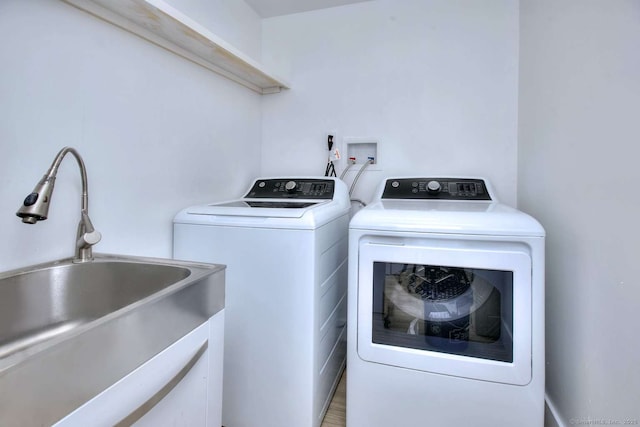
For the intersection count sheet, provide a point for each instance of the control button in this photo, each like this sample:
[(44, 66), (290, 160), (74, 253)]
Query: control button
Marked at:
[(395, 184), (433, 187), (290, 186), (261, 184), (414, 184), (31, 199)]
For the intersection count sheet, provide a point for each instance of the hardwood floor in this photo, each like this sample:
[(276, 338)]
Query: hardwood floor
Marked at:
[(336, 415)]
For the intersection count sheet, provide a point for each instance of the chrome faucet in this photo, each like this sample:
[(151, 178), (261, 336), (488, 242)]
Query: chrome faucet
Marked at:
[(36, 207)]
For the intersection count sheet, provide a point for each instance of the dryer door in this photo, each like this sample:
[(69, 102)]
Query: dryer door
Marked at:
[(443, 308)]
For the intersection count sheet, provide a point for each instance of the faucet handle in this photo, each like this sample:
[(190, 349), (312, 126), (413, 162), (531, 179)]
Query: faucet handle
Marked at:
[(87, 235), (92, 238)]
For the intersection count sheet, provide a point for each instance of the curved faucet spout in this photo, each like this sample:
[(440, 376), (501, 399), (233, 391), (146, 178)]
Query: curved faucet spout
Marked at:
[(53, 170), (36, 206)]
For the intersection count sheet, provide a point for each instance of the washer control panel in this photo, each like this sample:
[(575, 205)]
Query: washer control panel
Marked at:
[(292, 189), (436, 188)]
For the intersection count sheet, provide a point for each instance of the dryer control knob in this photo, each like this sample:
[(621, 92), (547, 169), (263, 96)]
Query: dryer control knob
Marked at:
[(433, 187), (290, 186)]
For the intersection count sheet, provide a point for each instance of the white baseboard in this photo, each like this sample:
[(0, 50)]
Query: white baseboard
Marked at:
[(551, 416)]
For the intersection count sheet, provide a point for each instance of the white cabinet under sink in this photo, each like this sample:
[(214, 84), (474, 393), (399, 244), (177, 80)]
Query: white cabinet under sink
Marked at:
[(181, 386)]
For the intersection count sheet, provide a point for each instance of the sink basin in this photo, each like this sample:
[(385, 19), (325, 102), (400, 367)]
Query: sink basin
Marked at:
[(68, 331), (56, 299)]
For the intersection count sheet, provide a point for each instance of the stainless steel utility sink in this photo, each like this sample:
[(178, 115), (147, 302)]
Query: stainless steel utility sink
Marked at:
[(68, 331), (56, 299)]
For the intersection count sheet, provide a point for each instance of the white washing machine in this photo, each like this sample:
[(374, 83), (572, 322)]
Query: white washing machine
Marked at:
[(446, 308), (285, 247)]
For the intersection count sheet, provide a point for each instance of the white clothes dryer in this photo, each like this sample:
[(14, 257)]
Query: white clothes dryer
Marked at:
[(285, 247), (446, 308)]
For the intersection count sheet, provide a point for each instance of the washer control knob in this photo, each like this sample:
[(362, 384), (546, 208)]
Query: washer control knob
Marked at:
[(290, 186), (433, 187)]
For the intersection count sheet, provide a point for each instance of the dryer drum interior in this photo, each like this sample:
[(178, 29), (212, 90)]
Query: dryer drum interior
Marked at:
[(445, 309)]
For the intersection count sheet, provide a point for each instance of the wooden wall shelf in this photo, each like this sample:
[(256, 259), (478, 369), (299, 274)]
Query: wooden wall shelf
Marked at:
[(165, 26)]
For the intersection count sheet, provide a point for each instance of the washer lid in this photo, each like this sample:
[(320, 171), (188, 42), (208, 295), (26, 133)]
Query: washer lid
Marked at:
[(275, 208), (284, 203), (309, 215), (264, 204)]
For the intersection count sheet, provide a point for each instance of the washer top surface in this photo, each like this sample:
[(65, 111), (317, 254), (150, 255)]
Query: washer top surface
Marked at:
[(294, 202), (443, 205)]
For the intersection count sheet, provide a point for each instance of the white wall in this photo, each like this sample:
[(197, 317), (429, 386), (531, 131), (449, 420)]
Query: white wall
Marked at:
[(435, 82), (157, 133), (578, 173)]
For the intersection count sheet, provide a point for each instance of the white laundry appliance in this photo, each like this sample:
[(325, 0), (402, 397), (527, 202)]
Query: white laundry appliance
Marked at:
[(446, 308), (285, 247)]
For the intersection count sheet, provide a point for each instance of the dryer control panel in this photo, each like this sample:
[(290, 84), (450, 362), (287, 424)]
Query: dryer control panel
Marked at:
[(292, 188), (436, 188)]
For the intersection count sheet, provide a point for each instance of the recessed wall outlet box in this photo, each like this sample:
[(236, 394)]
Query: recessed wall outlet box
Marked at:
[(361, 149)]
